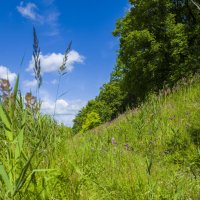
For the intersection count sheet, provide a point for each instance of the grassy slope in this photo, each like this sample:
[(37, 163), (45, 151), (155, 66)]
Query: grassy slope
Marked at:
[(149, 153), (152, 152)]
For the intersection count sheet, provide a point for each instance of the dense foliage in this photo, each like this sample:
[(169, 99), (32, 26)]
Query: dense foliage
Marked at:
[(106, 105), (159, 45)]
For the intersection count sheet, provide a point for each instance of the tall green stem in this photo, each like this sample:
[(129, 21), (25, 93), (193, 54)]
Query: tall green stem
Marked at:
[(57, 94)]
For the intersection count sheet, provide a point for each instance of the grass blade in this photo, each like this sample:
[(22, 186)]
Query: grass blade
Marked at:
[(5, 177), (7, 123), (5, 118), (13, 100), (22, 179), (19, 140)]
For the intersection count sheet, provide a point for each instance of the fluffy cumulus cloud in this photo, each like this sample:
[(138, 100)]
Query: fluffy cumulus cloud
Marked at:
[(31, 84), (65, 110), (29, 11), (6, 73), (52, 62)]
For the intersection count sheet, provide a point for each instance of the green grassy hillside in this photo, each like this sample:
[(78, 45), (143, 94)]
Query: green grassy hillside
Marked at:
[(152, 152)]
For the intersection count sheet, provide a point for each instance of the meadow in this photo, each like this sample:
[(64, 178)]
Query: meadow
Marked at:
[(151, 152), (138, 139)]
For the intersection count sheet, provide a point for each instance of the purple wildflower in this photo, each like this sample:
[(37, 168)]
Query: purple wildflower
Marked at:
[(126, 146), (113, 141)]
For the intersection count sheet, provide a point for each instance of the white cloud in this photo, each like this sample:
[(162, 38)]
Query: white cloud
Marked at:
[(52, 62), (54, 81), (65, 110), (31, 84), (29, 11), (6, 73), (47, 17)]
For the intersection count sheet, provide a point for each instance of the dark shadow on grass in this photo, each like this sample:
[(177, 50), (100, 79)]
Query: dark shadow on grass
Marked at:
[(195, 135)]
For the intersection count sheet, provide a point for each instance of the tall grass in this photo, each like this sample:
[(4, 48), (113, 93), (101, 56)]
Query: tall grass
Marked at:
[(22, 142), (62, 71), (37, 66), (28, 140), (152, 152)]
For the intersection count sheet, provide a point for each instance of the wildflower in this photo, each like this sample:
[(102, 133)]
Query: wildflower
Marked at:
[(171, 118), (5, 90), (30, 100), (5, 85), (126, 146), (113, 141)]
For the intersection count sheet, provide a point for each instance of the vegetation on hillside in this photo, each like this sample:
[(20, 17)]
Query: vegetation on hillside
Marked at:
[(159, 45), (28, 148), (152, 152), (28, 139)]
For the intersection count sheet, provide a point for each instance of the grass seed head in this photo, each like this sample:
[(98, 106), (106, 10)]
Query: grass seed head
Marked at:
[(63, 67)]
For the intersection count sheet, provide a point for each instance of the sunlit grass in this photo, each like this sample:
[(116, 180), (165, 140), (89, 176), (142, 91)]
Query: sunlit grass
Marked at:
[(152, 152)]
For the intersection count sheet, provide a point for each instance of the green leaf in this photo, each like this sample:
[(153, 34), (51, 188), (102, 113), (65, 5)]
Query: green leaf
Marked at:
[(19, 140), (5, 118), (20, 137), (5, 177), (13, 101), (7, 123), (16, 87), (9, 135), (22, 177)]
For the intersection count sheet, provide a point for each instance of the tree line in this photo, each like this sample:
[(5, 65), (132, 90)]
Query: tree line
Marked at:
[(159, 45)]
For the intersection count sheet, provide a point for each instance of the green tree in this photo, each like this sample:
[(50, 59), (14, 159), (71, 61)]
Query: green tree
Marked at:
[(92, 120), (112, 98), (158, 44), (107, 105)]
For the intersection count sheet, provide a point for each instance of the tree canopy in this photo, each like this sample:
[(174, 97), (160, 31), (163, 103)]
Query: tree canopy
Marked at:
[(159, 45)]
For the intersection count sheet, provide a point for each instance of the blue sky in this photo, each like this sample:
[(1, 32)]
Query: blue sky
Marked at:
[(89, 24)]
